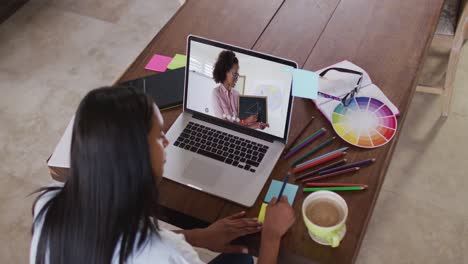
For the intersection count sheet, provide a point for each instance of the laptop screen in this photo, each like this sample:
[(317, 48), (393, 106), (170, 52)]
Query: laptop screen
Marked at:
[(239, 86)]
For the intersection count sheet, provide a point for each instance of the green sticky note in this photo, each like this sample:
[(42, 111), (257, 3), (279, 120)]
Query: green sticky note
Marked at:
[(261, 215), (178, 61), (275, 187)]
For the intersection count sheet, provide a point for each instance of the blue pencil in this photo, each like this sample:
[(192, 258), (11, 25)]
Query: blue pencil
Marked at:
[(323, 156), (285, 181)]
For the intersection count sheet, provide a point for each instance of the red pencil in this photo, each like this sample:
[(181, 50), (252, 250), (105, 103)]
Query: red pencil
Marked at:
[(331, 174), (316, 184), (318, 162)]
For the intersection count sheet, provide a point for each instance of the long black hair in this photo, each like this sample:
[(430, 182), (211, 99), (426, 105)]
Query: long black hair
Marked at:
[(111, 193)]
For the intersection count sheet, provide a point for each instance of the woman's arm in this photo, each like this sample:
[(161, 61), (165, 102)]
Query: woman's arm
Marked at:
[(279, 218), (192, 236), (218, 236), (269, 247)]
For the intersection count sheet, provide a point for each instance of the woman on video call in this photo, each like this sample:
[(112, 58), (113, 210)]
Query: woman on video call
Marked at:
[(225, 97)]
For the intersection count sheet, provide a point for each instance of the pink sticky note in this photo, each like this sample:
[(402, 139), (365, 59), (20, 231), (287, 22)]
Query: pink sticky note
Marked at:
[(158, 63)]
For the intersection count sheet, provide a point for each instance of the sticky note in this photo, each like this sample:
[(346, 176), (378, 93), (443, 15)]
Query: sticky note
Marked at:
[(275, 187), (305, 84), (261, 215), (178, 61), (158, 63)]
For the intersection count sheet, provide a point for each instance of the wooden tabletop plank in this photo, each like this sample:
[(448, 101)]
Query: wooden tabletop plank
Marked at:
[(296, 28), (236, 22)]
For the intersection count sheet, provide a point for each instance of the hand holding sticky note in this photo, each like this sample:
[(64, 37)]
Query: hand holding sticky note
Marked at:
[(290, 191), (305, 83)]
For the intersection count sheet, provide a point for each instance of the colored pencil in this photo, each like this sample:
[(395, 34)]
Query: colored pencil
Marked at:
[(285, 181), (316, 184), (318, 162), (298, 136), (355, 164), (309, 174), (307, 139), (331, 174), (304, 140), (351, 188), (302, 145), (322, 156), (317, 148)]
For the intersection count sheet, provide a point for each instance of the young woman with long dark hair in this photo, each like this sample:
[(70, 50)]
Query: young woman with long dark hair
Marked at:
[(106, 211)]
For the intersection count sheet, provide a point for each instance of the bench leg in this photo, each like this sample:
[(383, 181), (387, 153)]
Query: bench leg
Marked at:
[(449, 80)]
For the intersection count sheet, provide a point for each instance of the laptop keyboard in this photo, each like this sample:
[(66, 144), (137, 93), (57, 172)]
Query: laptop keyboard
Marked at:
[(218, 145)]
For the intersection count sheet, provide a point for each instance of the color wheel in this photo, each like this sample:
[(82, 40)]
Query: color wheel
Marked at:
[(365, 122)]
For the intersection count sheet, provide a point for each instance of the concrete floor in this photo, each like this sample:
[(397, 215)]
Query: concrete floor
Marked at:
[(53, 51)]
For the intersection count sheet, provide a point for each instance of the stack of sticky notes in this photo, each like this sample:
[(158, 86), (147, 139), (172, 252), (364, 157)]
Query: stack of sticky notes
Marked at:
[(160, 63), (290, 191)]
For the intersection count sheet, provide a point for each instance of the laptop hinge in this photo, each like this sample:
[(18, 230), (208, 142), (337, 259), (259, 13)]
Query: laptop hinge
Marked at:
[(237, 128)]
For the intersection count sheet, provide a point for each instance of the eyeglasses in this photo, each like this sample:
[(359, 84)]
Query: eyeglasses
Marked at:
[(347, 99), (235, 75)]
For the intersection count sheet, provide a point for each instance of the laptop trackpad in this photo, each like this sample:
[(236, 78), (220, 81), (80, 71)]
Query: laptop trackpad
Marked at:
[(202, 172)]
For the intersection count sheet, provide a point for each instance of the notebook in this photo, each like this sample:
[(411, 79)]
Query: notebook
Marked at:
[(339, 84), (166, 88)]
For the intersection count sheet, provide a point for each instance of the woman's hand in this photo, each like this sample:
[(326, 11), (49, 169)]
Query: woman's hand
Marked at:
[(251, 119), (218, 236), (279, 218), (264, 125), (259, 125)]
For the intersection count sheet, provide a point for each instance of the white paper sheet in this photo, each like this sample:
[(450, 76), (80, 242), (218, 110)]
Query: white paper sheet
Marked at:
[(61, 156)]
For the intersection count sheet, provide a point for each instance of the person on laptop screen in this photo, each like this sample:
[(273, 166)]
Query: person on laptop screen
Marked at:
[(225, 97)]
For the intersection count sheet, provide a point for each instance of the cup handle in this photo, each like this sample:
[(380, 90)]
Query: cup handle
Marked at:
[(334, 240)]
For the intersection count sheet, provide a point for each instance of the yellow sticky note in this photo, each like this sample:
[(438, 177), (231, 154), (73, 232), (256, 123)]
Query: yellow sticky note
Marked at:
[(178, 61), (261, 215)]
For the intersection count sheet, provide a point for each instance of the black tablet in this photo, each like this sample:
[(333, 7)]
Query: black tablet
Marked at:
[(166, 88)]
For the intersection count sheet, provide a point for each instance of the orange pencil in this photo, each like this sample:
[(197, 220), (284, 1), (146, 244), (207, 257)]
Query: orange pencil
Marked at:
[(318, 162), (316, 184), (354, 169)]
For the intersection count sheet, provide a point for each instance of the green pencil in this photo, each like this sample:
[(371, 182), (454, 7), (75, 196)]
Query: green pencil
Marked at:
[(307, 138), (351, 188), (317, 148)]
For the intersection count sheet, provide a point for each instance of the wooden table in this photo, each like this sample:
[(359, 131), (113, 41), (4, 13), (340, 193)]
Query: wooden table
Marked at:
[(388, 38)]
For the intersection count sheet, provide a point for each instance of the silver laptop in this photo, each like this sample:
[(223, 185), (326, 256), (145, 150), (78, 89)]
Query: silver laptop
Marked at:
[(227, 140)]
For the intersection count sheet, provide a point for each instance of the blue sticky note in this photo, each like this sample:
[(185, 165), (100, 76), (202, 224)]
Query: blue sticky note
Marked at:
[(275, 187), (305, 84)]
